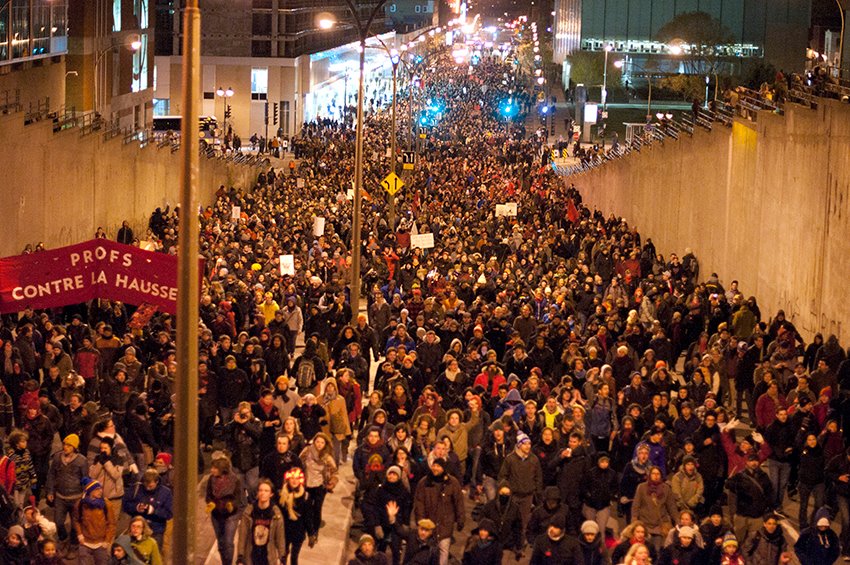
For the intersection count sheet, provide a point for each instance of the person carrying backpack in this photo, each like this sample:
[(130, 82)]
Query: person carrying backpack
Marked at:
[(308, 369)]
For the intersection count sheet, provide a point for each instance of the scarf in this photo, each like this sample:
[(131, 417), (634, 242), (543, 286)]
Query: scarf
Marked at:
[(654, 488), (640, 468), (223, 485), (287, 499), (92, 502), (267, 408)]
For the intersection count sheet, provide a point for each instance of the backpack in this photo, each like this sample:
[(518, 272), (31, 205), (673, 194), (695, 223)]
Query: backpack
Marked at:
[(598, 420), (9, 511), (305, 377)]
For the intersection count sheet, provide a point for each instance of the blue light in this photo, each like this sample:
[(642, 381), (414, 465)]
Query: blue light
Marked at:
[(544, 109)]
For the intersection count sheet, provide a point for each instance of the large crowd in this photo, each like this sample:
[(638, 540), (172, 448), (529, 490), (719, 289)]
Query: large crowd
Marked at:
[(585, 399)]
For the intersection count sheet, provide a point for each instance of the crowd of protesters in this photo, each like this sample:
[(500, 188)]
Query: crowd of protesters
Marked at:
[(587, 399)]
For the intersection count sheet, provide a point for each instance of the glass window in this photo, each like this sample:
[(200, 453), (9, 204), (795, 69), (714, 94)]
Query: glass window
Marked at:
[(116, 15), (259, 83), (140, 66), (161, 106)]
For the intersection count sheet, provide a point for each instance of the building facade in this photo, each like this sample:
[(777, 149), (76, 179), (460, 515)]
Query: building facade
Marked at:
[(33, 47), (110, 60), (773, 30)]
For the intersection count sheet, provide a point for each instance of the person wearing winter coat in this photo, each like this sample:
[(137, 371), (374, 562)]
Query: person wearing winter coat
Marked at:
[(505, 515), (121, 552), (310, 416), (767, 546), (243, 435), (818, 544), (337, 426), (683, 551), (95, 523), (320, 471), (275, 465), (24, 471), (144, 545), (225, 498), (13, 551), (484, 546), (593, 544), (599, 489), (635, 534), (753, 493), (687, 485), (375, 517), (439, 498), (655, 506), (421, 543), (811, 478), (261, 530), (543, 513), (293, 505), (555, 547), (151, 500), (64, 483), (108, 470), (367, 553), (571, 465)]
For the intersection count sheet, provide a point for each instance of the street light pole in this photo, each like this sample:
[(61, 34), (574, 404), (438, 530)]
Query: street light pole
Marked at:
[(840, 37), (186, 384), (356, 220)]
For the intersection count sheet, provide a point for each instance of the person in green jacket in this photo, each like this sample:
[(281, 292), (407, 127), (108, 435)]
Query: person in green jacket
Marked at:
[(141, 539)]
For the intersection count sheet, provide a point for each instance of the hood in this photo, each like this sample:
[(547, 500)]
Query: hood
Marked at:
[(513, 396)]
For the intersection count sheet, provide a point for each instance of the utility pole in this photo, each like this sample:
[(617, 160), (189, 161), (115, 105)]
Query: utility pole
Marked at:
[(186, 385)]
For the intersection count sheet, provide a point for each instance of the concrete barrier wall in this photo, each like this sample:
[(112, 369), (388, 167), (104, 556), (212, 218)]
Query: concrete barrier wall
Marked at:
[(765, 202), (58, 188)]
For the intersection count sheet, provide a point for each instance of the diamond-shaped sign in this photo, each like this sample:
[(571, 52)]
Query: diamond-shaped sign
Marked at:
[(392, 184)]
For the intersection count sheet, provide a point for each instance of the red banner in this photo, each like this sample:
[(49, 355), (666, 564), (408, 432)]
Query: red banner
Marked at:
[(99, 268)]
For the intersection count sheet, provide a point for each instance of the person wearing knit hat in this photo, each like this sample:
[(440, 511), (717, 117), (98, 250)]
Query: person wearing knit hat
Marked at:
[(96, 524), (72, 440), (13, 548)]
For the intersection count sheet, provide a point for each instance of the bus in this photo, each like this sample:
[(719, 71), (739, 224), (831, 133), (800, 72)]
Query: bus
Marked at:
[(170, 125)]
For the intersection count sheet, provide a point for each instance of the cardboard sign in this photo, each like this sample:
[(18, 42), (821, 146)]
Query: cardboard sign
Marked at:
[(422, 240), (506, 210), (287, 265), (236, 213), (318, 226), (299, 183)]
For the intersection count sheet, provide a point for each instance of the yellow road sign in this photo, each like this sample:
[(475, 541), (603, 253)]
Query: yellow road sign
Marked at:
[(392, 183)]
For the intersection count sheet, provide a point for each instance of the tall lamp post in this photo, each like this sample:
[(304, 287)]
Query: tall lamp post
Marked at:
[(608, 49), (134, 44), (186, 384), (328, 22), (227, 94)]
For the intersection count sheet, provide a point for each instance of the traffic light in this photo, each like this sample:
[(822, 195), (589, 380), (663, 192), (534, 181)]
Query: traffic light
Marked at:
[(227, 112), (275, 114)]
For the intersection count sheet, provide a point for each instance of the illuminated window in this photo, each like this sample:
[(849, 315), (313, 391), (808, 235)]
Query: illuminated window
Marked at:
[(259, 84)]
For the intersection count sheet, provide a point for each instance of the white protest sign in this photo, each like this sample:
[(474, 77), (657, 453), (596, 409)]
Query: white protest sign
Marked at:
[(422, 240), (350, 194), (287, 265), (236, 212), (318, 226), (508, 209), (299, 183)]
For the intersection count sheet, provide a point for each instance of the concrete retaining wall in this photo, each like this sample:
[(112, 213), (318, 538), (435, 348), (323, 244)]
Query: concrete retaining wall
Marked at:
[(58, 188), (765, 202)]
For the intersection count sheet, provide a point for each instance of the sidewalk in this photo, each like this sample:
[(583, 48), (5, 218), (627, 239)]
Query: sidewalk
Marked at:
[(333, 536)]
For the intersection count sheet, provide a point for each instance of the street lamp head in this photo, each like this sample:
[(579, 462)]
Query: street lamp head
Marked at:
[(541, 80), (659, 115), (609, 47), (228, 92), (326, 21), (618, 64), (675, 50), (135, 45), (219, 91)]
